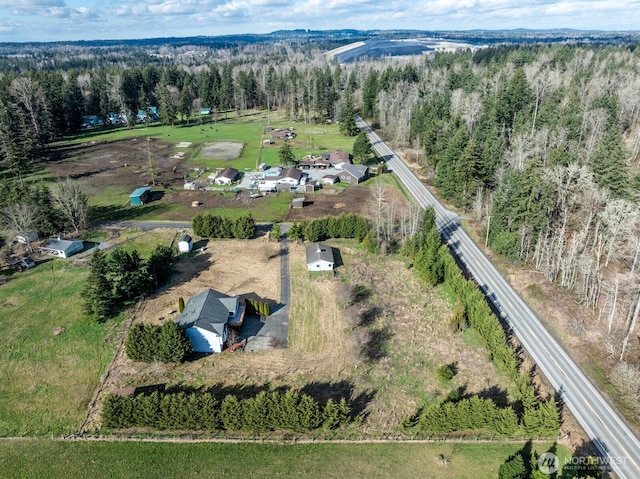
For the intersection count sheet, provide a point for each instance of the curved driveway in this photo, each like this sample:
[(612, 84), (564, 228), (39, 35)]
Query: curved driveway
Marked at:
[(618, 445)]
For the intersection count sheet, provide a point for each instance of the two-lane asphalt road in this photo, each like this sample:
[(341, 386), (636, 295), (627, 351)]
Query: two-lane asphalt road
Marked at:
[(617, 443)]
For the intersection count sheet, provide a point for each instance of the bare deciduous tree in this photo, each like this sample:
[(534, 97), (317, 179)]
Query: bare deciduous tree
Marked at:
[(20, 219), (72, 203)]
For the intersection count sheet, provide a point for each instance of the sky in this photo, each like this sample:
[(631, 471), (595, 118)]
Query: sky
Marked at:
[(54, 20)]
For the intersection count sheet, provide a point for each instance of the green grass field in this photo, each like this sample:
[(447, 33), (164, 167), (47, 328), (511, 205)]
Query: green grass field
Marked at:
[(50, 459), (48, 378), (51, 355)]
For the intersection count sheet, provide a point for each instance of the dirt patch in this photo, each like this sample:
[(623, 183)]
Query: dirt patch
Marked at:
[(222, 150), (118, 163), (332, 201)]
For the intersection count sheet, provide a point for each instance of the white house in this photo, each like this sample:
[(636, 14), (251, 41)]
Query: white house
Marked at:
[(205, 319), (226, 176), (185, 245), (291, 177), (319, 257), (62, 248)]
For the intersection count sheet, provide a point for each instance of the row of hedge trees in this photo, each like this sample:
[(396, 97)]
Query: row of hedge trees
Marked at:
[(433, 263), (120, 277), (167, 343), (207, 225), (202, 411), (477, 414), (342, 226)]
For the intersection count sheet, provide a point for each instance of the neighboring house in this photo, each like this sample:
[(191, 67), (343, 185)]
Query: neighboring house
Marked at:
[(62, 248), (319, 257), (285, 134), (354, 174), (206, 317), (339, 159), (288, 179), (317, 163), (185, 245), (226, 176), (140, 196), (329, 179)]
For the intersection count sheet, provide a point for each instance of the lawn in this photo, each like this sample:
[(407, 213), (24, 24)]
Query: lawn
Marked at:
[(51, 356), (45, 458)]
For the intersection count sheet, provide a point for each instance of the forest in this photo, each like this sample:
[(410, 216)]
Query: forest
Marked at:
[(538, 142)]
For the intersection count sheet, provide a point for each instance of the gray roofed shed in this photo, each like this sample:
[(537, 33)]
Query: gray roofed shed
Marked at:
[(319, 257)]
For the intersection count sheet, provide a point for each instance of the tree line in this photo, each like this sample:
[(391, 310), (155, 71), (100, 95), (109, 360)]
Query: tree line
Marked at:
[(203, 411), (121, 277), (208, 225), (346, 225)]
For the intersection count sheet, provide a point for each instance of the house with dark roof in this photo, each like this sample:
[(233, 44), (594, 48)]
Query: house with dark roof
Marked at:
[(354, 174), (319, 257), (206, 318), (226, 176)]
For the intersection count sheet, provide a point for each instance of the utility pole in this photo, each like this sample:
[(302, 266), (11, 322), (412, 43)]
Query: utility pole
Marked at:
[(152, 173), (486, 240)]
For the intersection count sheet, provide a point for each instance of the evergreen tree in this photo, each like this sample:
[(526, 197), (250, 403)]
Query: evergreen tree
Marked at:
[(609, 164), (362, 149), (97, 294), (173, 343), (348, 125), (285, 154)]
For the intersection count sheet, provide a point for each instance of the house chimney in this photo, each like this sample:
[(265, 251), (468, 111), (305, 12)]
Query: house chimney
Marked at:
[(59, 237)]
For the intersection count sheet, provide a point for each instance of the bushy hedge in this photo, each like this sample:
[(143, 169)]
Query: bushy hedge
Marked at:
[(478, 414), (202, 411), (167, 343), (342, 226), (473, 414), (207, 225)]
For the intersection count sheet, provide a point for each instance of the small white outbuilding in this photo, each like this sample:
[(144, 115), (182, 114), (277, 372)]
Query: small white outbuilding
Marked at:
[(319, 257), (185, 245)]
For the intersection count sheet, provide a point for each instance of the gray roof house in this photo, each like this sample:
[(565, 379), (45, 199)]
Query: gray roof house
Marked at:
[(319, 257), (205, 319), (62, 248), (354, 174)]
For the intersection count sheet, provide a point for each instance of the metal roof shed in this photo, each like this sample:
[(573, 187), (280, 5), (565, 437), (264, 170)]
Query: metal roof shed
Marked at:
[(140, 196)]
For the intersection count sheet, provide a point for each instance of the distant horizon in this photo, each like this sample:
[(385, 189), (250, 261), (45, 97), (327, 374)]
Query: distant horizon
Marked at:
[(27, 21), (328, 30)]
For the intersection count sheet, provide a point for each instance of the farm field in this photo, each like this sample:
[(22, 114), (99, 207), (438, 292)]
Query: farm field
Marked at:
[(112, 163), (52, 459)]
